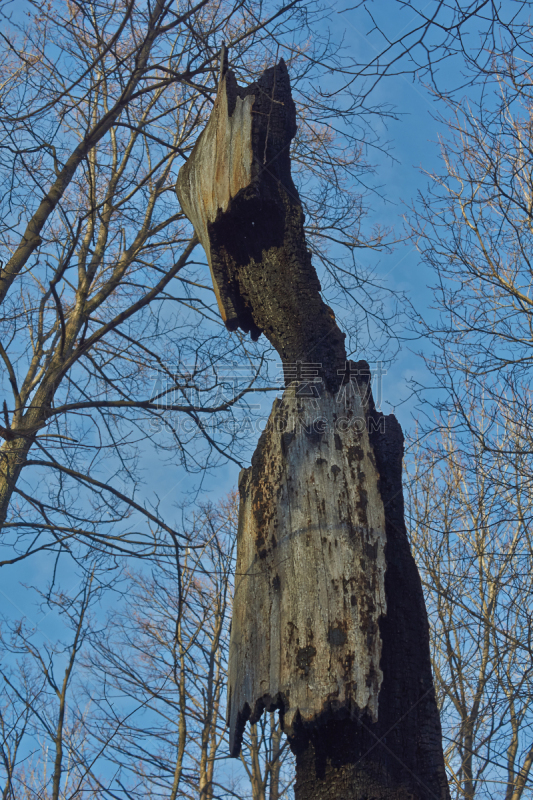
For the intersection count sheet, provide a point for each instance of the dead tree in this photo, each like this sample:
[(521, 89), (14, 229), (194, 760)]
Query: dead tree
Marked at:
[(329, 622)]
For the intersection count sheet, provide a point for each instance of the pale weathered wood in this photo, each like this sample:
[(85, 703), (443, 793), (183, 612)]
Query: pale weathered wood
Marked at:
[(309, 584), (219, 167)]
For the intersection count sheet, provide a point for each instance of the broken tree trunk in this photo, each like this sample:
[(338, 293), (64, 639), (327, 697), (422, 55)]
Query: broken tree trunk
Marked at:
[(329, 622), (237, 190)]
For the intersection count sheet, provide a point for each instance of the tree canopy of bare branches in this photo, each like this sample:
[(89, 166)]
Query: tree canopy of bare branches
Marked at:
[(470, 520), (113, 356), (109, 335), (129, 701), (473, 230), (471, 488)]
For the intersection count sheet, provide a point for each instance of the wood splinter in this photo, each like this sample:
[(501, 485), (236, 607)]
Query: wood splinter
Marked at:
[(329, 622)]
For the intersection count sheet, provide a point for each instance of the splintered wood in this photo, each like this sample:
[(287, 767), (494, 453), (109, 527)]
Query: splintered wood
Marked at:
[(237, 190), (219, 167), (309, 584)]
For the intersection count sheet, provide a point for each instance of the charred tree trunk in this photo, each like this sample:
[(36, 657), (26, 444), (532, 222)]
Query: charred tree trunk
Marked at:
[(329, 622)]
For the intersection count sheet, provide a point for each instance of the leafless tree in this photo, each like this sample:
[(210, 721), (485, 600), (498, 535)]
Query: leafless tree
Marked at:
[(134, 704), (470, 522), (100, 292), (162, 653), (474, 232), (267, 760), (471, 491), (43, 747)]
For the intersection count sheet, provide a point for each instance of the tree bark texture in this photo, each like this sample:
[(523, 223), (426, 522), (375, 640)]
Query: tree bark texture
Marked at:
[(329, 623), (311, 565), (19, 436)]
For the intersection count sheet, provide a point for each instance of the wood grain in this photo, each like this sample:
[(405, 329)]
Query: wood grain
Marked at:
[(220, 166)]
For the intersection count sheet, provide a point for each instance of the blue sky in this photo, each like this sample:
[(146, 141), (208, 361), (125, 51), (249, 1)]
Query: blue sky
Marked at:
[(413, 143), (413, 139)]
